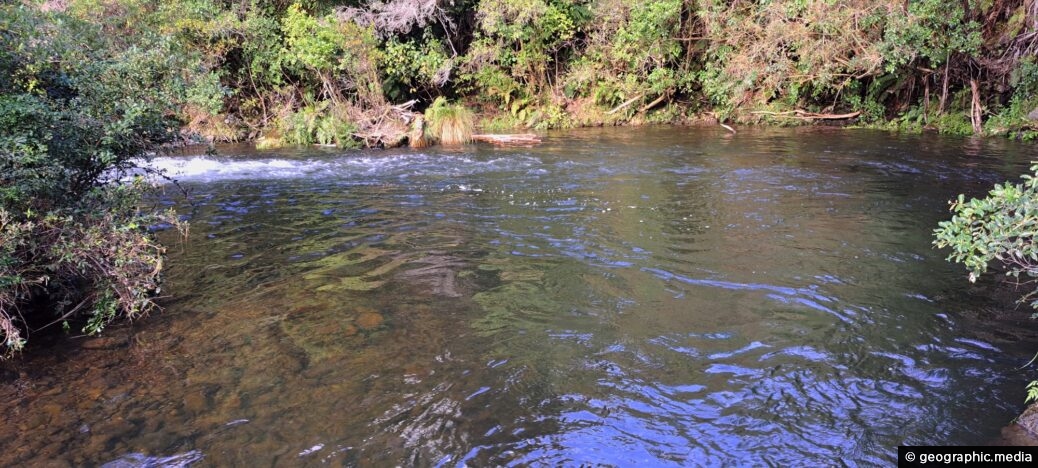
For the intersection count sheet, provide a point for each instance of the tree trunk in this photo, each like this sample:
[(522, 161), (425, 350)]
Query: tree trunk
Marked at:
[(944, 89), (975, 109), (926, 100)]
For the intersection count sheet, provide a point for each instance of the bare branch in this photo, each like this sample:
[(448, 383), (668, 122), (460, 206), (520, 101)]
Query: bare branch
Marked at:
[(396, 16)]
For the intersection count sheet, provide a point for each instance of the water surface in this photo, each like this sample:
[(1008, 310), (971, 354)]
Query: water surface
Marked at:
[(656, 296)]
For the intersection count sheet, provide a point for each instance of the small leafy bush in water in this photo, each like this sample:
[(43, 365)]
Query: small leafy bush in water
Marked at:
[(1000, 227)]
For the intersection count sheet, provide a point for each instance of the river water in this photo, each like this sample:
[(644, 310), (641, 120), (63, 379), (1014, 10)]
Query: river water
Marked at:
[(655, 296)]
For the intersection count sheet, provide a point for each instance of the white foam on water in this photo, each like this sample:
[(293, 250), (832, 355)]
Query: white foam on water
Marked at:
[(316, 448), (210, 168), (140, 460), (205, 168)]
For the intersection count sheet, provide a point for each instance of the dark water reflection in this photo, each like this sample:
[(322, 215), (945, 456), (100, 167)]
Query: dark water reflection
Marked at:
[(657, 296)]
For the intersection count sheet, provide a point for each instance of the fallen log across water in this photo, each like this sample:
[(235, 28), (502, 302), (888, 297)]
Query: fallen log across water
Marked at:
[(510, 139)]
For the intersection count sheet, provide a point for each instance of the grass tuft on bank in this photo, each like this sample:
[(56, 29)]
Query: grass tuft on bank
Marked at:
[(449, 124)]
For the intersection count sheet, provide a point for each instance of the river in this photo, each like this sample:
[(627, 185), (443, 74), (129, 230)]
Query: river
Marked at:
[(655, 296)]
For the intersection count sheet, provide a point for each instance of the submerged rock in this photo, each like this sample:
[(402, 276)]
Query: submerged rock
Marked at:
[(369, 320), (437, 276), (8, 376), (195, 402), (105, 343)]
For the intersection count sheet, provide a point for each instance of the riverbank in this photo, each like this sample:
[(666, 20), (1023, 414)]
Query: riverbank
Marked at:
[(496, 122), (351, 75)]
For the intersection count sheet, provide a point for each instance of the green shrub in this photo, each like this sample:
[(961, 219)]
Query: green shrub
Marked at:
[(413, 66), (998, 228), (954, 123), (300, 127), (500, 123), (97, 263), (333, 130), (1012, 119), (322, 123), (547, 117), (78, 108)]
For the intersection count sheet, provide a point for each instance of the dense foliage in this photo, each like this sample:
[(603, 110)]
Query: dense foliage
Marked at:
[(76, 108), (312, 71)]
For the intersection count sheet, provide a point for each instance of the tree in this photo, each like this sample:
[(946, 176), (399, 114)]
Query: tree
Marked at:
[(77, 111)]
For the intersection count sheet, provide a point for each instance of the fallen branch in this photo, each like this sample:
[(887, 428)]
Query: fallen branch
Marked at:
[(385, 126), (805, 115), (654, 103), (405, 106), (513, 139), (849, 115), (625, 104)]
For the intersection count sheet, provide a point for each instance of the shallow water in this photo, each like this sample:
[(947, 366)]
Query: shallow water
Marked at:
[(664, 296)]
